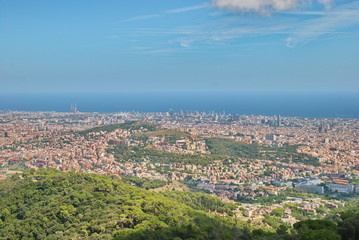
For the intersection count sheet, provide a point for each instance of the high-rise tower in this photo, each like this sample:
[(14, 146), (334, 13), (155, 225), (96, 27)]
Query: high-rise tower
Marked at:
[(279, 121), (73, 108)]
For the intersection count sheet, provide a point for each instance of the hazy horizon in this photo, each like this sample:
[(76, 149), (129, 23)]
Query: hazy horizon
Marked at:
[(314, 104)]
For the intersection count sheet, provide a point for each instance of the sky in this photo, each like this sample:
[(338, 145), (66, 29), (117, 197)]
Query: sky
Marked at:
[(97, 46)]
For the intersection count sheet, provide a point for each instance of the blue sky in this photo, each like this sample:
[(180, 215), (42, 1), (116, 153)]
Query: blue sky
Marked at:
[(178, 45)]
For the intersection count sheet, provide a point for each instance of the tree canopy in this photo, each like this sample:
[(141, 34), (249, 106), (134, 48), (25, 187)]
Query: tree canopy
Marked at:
[(229, 147), (47, 204)]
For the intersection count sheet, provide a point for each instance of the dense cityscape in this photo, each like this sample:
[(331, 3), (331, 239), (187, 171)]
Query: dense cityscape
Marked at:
[(289, 167)]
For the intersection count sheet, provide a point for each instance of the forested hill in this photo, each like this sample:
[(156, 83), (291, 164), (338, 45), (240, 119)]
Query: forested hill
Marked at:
[(47, 204), (220, 146)]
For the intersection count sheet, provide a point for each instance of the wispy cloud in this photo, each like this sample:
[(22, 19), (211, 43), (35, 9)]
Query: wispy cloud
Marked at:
[(158, 31), (159, 52), (185, 42), (296, 27), (143, 17), (187, 9), (170, 11), (309, 13), (331, 23), (265, 6)]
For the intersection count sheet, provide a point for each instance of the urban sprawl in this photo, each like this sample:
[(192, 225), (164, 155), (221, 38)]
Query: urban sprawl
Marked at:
[(289, 167)]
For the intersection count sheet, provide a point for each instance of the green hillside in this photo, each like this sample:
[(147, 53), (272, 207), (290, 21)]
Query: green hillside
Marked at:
[(220, 146), (134, 125), (201, 201), (47, 204)]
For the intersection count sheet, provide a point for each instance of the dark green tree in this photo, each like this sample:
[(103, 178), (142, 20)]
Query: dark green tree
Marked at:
[(349, 226)]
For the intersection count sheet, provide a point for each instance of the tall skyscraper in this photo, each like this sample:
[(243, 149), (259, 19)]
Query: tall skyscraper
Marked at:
[(279, 121), (73, 108)]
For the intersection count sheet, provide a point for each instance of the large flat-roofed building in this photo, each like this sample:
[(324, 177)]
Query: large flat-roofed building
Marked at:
[(341, 188), (310, 188)]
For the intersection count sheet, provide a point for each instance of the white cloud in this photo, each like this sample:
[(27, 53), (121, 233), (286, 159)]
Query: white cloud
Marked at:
[(185, 43), (265, 6)]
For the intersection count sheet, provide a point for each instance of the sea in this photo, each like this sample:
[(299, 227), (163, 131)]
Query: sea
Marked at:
[(307, 105)]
